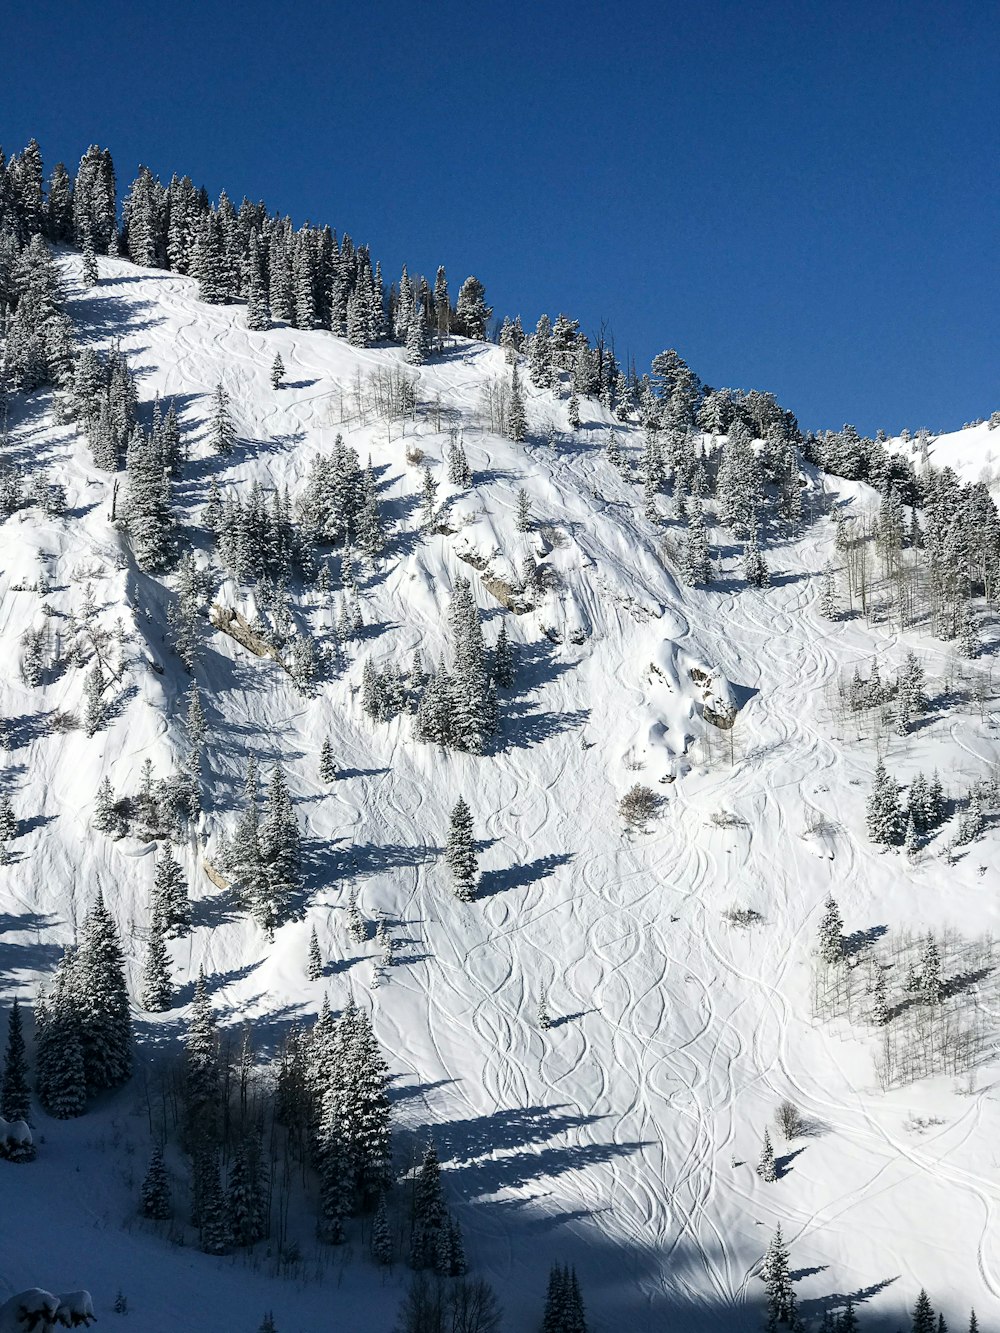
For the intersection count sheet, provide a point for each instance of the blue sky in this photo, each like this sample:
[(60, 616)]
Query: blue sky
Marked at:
[(799, 198)]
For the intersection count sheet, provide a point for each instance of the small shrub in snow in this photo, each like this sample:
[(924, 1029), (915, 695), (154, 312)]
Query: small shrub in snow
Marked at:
[(638, 805), (742, 916)]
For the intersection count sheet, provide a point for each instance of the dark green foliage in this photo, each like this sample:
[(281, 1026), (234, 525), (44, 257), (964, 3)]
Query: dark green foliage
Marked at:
[(15, 1099), (155, 1194)]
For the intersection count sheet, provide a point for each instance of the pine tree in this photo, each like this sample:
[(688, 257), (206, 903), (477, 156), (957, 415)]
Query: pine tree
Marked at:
[(62, 1082), (385, 942), (766, 1166), (931, 986), (460, 852), (277, 371), (522, 513), (327, 767), (517, 423), (778, 1283), (315, 967), (15, 1099), (155, 1193), (89, 271), (279, 850), (258, 309), (213, 1220), (202, 1065), (573, 410), (95, 715), (223, 432), (828, 594), (268, 1324), (881, 1014), (459, 472), (106, 815), (8, 820), (356, 927), (503, 660), (831, 937), (381, 1236), (442, 306), (885, 816), (755, 569), (429, 1214), (923, 1314), (170, 895), (472, 314), (105, 1017), (417, 338), (157, 988), (247, 1195)]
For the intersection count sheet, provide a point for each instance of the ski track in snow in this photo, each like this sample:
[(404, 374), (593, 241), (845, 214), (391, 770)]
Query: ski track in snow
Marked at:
[(607, 1140)]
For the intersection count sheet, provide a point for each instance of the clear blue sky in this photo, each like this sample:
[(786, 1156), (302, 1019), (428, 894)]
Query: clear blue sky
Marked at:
[(799, 198)]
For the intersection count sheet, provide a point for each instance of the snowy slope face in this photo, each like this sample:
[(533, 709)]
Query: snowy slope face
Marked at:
[(674, 958)]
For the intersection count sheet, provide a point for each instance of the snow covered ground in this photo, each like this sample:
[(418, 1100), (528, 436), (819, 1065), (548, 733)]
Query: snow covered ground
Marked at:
[(624, 1138)]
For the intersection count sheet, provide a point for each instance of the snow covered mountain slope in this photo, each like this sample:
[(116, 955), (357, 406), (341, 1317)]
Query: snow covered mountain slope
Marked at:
[(624, 1138)]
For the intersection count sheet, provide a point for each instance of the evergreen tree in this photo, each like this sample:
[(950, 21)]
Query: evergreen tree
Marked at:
[(503, 660), (279, 849), (460, 852), (931, 987), (89, 271), (95, 714), (356, 927), (105, 1017), (696, 563), (755, 569), (472, 314), (429, 1213), (442, 306), (62, 1082), (170, 895), (106, 815), (277, 371), (155, 1193), (828, 594), (778, 1283), (202, 1065), (247, 1195), (8, 820), (213, 1219), (223, 432), (885, 816), (258, 309), (881, 1014), (522, 513), (157, 988), (831, 937), (417, 338), (517, 423), (459, 472), (766, 1166), (315, 967), (381, 1237), (923, 1314), (327, 767), (15, 1099), (573, 410)]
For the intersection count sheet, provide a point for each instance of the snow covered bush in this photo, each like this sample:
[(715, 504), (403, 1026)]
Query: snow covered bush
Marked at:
[(638, 805)]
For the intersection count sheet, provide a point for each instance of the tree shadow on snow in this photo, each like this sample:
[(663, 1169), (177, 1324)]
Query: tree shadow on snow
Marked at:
[(860, 940), (520, 876), (523, 726), (783, 1164)]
